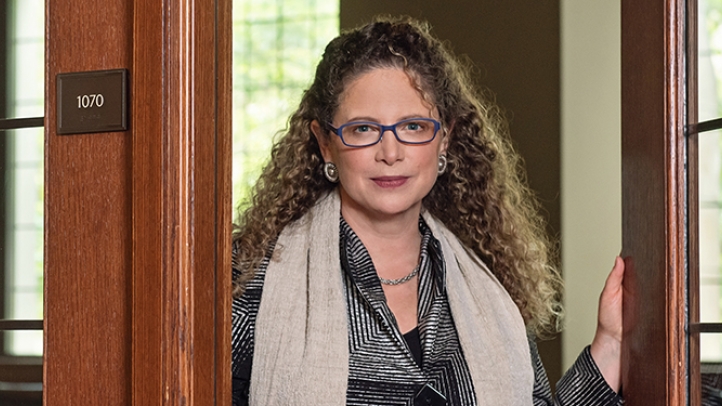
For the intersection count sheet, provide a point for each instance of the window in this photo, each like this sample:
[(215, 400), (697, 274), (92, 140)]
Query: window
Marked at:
[(22, 142), (705, 131), (22, 65), (276, 47)]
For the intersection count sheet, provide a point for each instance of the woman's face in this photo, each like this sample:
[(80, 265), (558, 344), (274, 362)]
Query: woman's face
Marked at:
[(388, 178)]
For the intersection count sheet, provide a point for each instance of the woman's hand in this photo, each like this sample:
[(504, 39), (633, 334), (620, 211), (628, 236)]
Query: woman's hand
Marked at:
[(607, 344)]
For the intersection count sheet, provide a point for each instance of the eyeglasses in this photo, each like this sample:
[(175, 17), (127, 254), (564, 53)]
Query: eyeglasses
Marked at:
[(365, 133)]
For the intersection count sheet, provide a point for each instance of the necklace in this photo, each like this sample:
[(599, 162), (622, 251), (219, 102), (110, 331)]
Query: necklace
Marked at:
[(399, 281)]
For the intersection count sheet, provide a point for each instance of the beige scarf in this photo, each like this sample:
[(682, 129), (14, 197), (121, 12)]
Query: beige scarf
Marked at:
[(301, 339)]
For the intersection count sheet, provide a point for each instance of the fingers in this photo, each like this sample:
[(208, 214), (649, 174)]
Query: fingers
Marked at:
[(610, 301), (616, 276), (607, 344)]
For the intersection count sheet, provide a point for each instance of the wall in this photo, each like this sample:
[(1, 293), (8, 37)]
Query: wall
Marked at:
[(591, 160), (515, 44)]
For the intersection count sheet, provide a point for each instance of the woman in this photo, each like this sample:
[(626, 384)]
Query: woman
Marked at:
[(392, 254)]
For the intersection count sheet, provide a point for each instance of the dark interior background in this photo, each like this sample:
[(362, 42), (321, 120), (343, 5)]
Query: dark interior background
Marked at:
[(515, 45)]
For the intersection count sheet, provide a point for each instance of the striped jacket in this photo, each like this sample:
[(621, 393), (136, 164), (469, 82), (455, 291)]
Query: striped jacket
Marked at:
[(390, 368)]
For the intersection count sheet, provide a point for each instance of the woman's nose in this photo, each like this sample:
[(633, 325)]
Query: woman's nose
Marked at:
[(391, 149)]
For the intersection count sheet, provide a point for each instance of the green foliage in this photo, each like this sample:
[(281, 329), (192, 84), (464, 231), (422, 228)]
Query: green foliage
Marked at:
[(711, 27), (276, 46)]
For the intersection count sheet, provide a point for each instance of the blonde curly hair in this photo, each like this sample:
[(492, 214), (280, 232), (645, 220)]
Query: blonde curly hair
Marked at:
[(482, 197)]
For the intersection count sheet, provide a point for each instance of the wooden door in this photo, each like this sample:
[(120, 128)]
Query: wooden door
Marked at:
[(654, 202), (137, 281)]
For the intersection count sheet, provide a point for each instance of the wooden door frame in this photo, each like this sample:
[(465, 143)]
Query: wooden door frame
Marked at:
[(181, 155), (137, 251), (655, 359)]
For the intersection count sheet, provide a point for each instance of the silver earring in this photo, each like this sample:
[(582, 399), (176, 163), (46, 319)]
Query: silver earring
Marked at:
[(442, 164), (330, 171)]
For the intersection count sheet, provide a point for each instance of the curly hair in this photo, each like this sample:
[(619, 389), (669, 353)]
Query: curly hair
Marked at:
[(482, 197)]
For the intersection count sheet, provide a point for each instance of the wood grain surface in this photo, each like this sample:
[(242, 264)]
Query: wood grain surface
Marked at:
[(653, 201), (137, 291), (87, 211), (181, 195)]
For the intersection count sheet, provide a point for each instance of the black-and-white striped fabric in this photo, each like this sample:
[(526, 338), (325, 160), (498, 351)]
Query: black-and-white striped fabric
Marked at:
[(382, 368)]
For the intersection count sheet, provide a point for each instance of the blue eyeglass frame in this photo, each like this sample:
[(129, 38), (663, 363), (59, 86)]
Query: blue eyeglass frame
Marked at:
[(338, 131)]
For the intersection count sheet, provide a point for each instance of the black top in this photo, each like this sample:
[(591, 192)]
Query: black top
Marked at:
[(413, 340)]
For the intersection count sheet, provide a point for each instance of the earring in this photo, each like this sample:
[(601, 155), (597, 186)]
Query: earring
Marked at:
[(330, 171), (442, 164)]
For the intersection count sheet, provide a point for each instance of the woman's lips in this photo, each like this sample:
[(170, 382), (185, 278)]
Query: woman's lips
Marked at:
[(390, 181)]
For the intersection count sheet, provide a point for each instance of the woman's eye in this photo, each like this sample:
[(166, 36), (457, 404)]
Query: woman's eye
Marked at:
[(414, 126), (364, 128)]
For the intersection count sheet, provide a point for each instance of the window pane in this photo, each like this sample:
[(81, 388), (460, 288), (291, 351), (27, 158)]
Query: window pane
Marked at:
[(22, 56), (276, 46), (710, 169), (21, 171), (22, 256), (710, 59), (710, 227)]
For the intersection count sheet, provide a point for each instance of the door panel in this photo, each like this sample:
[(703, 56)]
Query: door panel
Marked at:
[(138, 222), (88, 206), (653, 202)]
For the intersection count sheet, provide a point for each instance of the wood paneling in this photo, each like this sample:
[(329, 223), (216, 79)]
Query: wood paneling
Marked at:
[(138, 223), (653, 148), (181, 211), (223, 204), (147, 112), (87, 212)]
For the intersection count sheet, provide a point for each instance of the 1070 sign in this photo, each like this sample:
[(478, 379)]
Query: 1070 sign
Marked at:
[(90, 100)]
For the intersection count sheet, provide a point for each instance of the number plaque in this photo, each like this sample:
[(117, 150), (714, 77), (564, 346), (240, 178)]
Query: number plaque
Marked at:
[(92, 102)]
